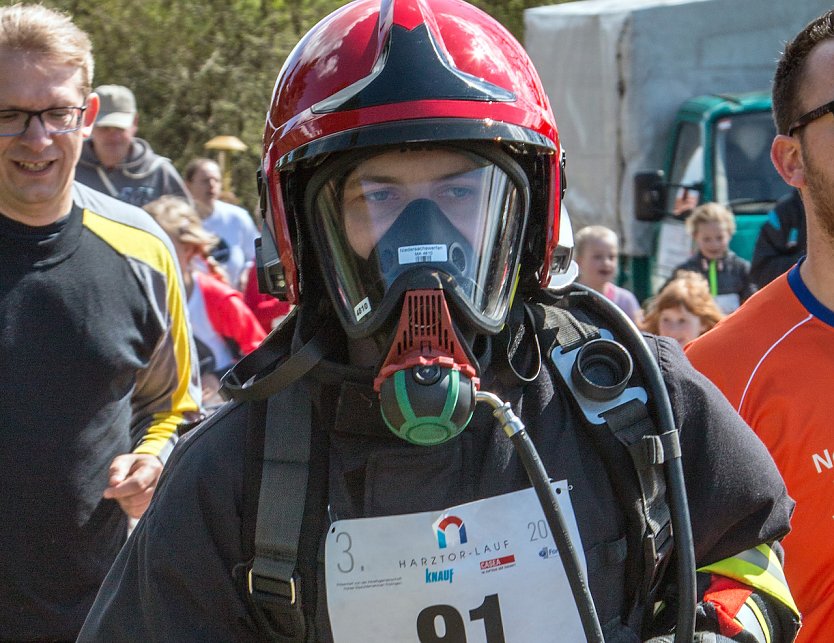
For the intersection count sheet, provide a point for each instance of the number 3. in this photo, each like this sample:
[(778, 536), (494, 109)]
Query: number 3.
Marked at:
[(345, 551)]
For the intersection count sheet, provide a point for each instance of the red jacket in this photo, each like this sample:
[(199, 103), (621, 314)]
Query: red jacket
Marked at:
[(228, 314), (265, 307)]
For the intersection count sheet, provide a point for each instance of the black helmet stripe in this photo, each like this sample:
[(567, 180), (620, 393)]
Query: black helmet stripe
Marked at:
[(414, 68)]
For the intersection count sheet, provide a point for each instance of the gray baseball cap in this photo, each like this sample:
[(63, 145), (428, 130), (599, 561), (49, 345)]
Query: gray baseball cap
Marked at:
[(118, 106)]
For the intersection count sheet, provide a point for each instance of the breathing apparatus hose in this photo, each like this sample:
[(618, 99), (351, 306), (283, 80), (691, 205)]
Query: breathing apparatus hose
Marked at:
[(675, 485), (514, 428)]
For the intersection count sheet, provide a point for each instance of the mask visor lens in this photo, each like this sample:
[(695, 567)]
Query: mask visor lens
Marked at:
[(404, 210)]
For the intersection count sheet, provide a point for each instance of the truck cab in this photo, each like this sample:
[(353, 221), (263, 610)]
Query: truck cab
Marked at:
[(719, 150)]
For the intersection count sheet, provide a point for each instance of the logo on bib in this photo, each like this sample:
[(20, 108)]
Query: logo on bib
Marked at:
[(495, 564), (440, 576), (442, 526), (548, 552)]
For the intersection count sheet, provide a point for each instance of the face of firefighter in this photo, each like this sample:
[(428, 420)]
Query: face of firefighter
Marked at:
[(378, 190)]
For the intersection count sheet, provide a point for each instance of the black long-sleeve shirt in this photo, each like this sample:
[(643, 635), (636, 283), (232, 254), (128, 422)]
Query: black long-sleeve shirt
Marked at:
[(95, 362), (782, 241)]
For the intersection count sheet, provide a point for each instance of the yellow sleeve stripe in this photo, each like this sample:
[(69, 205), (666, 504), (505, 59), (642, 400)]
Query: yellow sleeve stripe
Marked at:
[(148, 248), (759, 568), (160, 436), (130, 241)]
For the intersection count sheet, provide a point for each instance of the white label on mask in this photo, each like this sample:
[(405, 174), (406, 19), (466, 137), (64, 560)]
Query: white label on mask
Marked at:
[(362, 308), (421, 254)]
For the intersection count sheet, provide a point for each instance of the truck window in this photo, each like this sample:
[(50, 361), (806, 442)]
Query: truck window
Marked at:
[(744, 173), (687, 169)]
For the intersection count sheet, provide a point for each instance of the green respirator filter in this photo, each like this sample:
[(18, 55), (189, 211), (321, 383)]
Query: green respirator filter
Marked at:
[(427, 405), (427, 384)]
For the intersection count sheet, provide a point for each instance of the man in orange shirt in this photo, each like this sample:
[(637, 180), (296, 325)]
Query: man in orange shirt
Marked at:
[(774, 358)]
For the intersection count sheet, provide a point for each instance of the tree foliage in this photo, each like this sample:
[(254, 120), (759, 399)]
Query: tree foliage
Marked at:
[(510, 13), (200, 68)]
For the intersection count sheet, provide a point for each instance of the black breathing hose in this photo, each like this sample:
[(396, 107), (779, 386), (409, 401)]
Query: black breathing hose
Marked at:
[(675, 485), (514, 428)]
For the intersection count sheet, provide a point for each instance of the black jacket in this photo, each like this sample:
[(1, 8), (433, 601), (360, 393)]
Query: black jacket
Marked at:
[(732, 275), (175, 578), (781, 241)]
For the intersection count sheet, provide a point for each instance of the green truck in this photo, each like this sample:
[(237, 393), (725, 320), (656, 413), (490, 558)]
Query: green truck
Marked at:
[(719, 150), (678, 86)]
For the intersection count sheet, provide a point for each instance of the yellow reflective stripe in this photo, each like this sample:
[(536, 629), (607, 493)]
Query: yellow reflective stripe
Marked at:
[(764, 557), (760, 568)]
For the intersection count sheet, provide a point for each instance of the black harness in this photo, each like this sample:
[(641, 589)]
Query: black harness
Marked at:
[(280, 572)]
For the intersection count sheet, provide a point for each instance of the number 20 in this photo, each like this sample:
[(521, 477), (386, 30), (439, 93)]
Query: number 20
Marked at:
[(489, 611), (538, 530)]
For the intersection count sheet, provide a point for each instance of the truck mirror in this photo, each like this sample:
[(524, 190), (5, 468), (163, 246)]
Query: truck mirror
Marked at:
[(649, 195)]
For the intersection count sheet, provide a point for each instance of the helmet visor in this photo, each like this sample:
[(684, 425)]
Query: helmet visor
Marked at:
[(381, 218)]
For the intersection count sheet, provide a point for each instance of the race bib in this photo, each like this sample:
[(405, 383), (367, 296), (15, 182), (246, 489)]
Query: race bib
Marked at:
[(485, 572)]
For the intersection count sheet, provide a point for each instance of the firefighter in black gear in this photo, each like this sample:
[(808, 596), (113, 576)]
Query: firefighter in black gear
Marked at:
[(354, 489)]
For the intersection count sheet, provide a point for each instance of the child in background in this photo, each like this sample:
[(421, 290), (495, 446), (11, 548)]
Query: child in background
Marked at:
[(223, 327), (711, 226), (596, 250), (683, 309)]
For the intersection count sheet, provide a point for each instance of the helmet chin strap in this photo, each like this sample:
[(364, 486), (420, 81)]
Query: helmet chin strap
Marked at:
[(427, 383)]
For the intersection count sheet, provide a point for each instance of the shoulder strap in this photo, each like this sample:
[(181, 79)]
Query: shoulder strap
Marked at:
[(272, 366), (271, 380), (641, 486), (273, 581), (556, 326)]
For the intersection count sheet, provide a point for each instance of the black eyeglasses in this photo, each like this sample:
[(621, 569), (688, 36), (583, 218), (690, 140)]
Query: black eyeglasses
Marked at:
[(55, 120), (813, 115)]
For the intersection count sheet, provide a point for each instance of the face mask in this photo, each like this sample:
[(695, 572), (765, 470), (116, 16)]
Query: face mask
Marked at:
[(410, 240), (383, 221), (432, 238), (427, 383)]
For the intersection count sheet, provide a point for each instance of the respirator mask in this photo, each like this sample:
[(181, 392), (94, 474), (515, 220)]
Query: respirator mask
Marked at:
[(420, 245)]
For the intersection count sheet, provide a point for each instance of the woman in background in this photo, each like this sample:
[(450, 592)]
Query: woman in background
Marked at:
[(223, 326)]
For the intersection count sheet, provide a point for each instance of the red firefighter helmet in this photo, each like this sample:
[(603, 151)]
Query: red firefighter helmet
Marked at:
[(396, 72)]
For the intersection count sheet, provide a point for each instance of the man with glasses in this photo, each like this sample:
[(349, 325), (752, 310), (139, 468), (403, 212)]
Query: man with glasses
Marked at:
[(779, 375), (95, 362)]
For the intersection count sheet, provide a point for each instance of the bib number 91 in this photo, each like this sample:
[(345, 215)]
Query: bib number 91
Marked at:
[(453, 627)]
